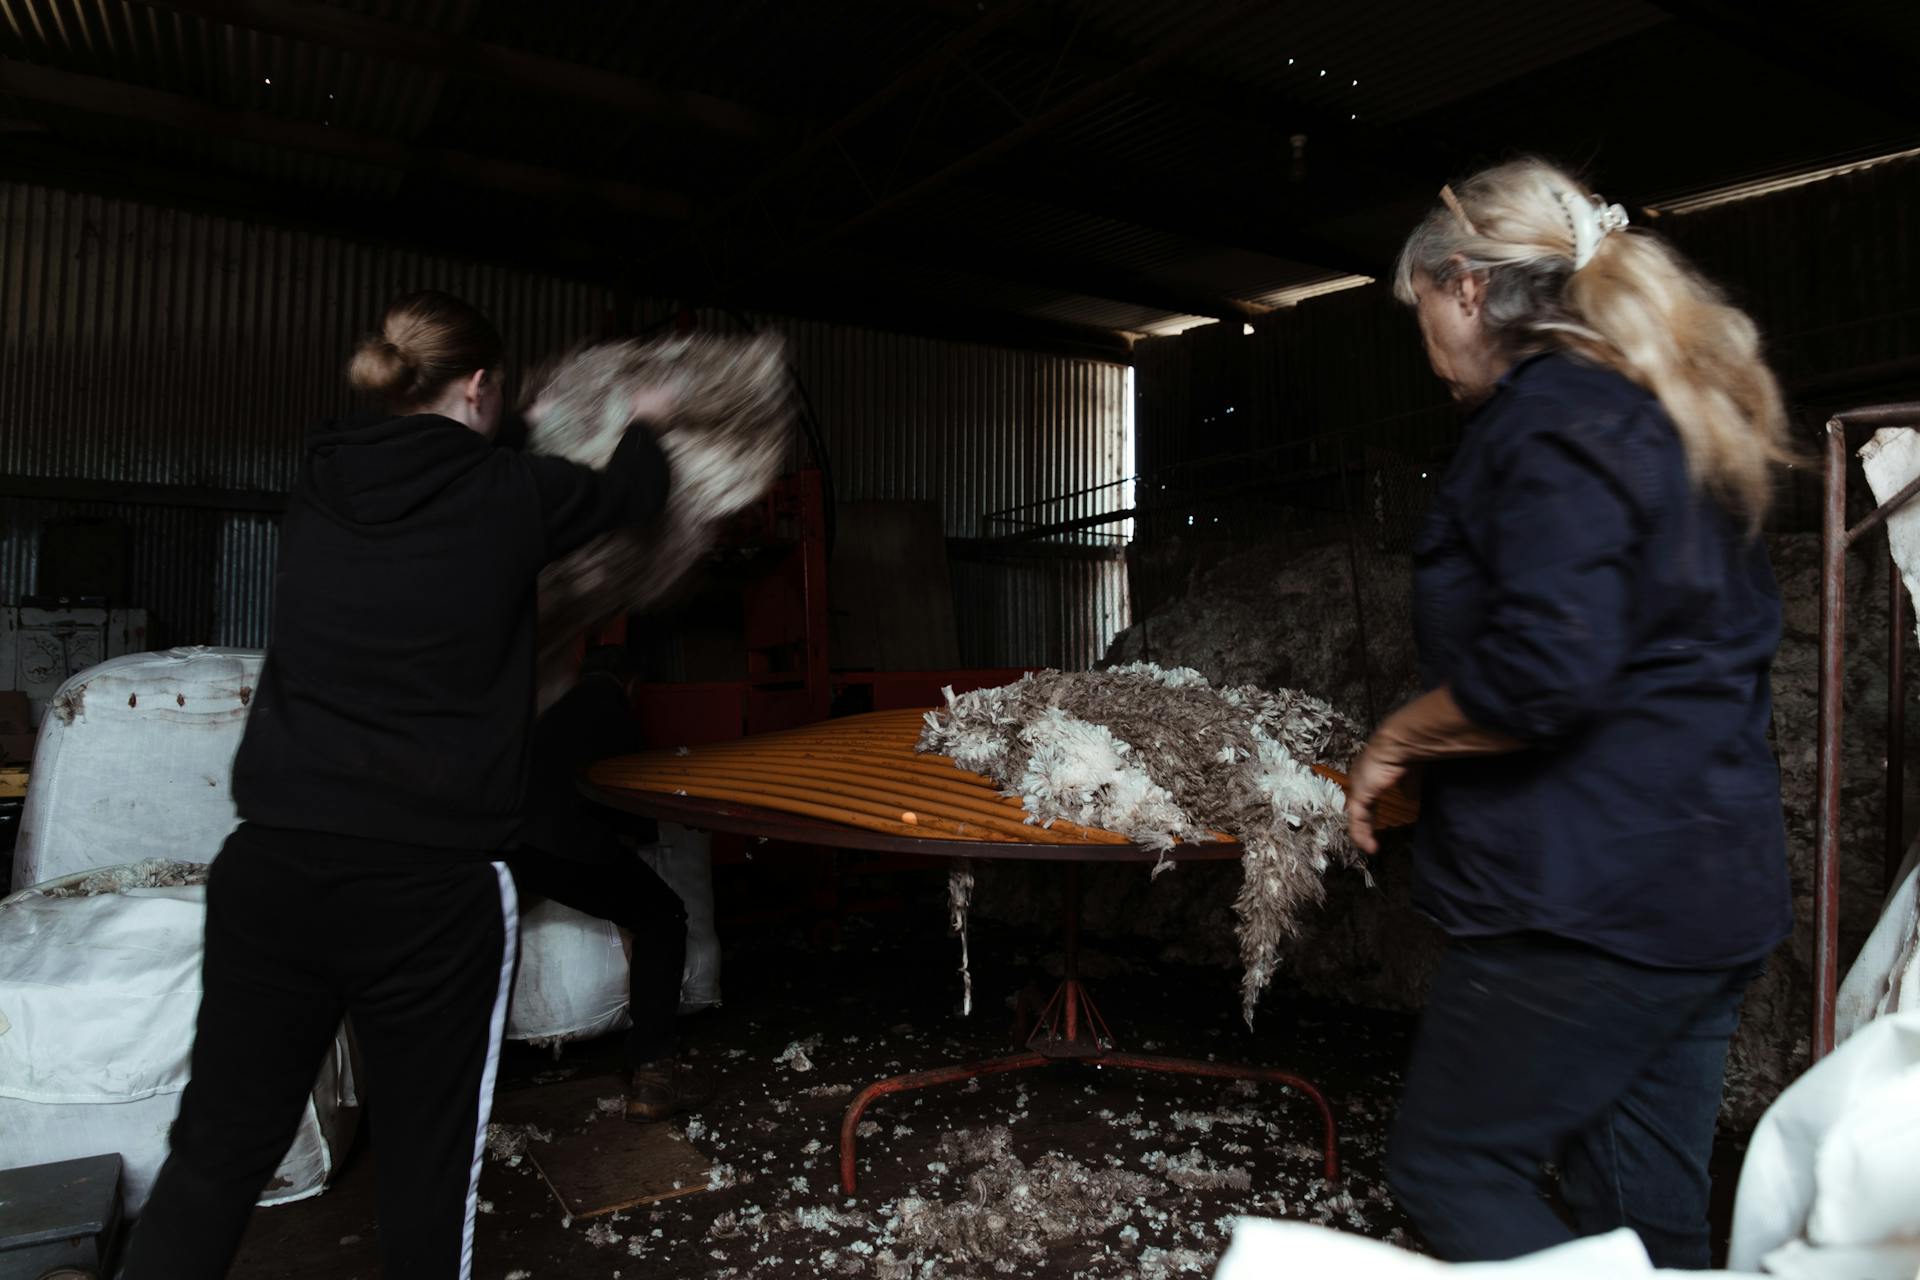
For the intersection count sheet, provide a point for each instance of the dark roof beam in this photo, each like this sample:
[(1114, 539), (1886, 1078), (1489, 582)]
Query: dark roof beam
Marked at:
[(1785, 36), (1207, 217), (340, 28), (191, 115), (1048, 272), (1393, 153), (892, 311), (923, 71), (1201, 28)]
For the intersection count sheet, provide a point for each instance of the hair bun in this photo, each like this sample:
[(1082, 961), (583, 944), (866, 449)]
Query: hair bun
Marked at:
[(425, 342), (379, 367)]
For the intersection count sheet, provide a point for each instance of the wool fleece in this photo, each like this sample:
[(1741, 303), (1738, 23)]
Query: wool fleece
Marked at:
[(725, 438), (1163, 756)]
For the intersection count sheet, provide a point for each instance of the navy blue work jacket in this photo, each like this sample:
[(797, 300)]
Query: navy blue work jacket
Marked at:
[(1577, 592)]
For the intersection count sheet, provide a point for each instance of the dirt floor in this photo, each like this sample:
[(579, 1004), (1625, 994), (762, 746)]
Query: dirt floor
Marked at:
[(1064, 1172)]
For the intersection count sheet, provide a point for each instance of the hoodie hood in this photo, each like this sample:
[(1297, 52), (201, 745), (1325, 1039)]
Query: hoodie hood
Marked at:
[(374, 469)]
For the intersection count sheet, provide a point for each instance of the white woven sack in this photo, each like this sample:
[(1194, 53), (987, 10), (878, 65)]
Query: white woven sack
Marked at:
[(1885, 977), (572, 983), (98, 997), (1832, 1163), (133, 762)]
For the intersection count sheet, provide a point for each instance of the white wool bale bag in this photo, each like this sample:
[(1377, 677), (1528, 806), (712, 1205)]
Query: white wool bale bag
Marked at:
[(684, 859), (98, 997), (572, 980), (1885, 977), (1832, 1163), (134, 761)]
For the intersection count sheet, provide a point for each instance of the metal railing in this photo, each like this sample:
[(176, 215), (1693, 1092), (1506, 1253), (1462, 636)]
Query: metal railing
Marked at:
[(1836, 539)]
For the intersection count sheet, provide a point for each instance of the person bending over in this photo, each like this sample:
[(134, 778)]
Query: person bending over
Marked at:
[(583, 855)]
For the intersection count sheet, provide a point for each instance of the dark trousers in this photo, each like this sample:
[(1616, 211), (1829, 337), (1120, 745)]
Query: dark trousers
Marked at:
[(1536, 1051), (303, 929), (626, 891)]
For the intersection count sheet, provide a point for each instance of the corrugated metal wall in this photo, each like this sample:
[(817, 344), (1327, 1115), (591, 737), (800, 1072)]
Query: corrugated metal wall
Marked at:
[(147, 345), (1830, 270), (153, 346), (977, 430)]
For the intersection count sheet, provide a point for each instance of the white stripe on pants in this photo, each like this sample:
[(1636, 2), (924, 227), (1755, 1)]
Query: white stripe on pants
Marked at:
[(509, 953)]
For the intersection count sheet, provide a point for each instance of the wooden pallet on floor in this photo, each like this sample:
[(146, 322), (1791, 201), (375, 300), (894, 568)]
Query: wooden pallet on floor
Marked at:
[(597, 1163)]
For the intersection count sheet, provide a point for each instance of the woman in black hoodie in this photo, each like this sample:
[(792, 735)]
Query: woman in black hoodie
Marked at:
[(381, 776)]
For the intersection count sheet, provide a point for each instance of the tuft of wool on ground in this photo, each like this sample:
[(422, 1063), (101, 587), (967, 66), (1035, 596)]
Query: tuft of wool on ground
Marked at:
[(1162, 756), (725, 437), (507, 1143), (1012, 1209), (1119, 1178)]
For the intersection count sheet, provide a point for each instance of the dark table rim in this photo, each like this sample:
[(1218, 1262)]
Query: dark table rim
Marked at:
[(733, 818)]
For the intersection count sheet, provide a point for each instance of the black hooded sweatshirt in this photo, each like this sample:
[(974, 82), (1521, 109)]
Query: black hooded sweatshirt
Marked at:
[(398, 690)]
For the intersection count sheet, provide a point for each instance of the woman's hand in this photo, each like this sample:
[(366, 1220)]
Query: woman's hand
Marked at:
[(1431, 727), (1377, 771), (651, 405)]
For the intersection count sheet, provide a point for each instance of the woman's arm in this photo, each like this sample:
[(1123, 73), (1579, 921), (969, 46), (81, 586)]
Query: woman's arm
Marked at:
[(1563, 530), (578, 504), (1431, 727)]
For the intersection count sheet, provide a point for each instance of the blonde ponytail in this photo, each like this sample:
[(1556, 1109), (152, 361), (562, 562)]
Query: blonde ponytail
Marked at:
[(1634, 305)]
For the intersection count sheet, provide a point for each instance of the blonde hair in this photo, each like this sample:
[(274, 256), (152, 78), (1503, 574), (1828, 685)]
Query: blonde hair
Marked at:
[(1636, 306), (426, 341)]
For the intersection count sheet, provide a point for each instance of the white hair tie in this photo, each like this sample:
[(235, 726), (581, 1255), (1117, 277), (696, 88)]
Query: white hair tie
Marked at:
[(1593, 220)]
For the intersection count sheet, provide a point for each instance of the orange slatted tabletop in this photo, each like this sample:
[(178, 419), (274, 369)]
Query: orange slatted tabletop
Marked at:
[(860, 783)]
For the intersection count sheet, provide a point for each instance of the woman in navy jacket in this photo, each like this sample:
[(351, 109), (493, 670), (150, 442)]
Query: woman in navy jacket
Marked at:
[(1601, 832)]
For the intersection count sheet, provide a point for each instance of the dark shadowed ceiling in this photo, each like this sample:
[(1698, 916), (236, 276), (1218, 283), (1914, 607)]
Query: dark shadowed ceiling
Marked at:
[(1055, 173)]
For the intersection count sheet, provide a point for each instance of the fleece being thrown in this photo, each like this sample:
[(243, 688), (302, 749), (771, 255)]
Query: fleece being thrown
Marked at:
[(725, 437), (1162, 756)]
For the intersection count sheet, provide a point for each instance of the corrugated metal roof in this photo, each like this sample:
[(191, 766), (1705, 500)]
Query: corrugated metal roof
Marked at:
[(1387, 95)]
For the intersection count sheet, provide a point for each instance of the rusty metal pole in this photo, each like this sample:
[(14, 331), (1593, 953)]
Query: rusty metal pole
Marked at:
[(1896, 716), (1826, 865)]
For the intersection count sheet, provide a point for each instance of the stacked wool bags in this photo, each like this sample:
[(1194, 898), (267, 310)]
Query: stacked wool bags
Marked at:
[(100, 963), (99, 988), (1162, 756), (133, 761)]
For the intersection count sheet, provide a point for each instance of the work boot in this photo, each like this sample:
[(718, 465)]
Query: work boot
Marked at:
[(663, 1088)]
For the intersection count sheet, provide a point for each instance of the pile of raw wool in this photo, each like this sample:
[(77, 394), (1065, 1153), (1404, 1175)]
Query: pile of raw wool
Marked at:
[(1163, 756), (725, 437)]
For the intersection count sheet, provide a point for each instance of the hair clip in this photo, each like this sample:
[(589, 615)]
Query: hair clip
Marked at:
[(1453, 202)]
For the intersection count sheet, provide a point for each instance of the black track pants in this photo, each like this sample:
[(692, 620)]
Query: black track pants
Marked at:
[(302, 929)]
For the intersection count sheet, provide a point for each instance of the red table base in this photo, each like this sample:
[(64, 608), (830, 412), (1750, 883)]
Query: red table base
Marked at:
[(1072, 1030)]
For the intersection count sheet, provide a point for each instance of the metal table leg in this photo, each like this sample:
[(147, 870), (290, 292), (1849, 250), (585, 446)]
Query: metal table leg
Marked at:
[(1071, 1029)]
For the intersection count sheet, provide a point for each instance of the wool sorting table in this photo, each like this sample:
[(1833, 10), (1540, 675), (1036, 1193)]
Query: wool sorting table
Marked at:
[(858, 784)]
